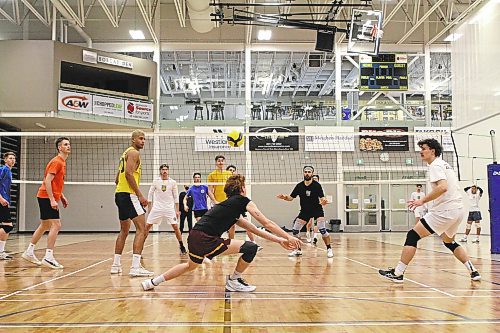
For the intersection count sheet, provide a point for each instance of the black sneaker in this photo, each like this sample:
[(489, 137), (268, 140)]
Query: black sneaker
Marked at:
[(315, 241), (391, 275), (475, 276), (183, 250)]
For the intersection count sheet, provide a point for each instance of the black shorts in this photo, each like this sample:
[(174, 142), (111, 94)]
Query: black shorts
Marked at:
[(474, 216), (129, 206), (305, 216), (5, 214), (199, 213), (201, 245), (46, 210)]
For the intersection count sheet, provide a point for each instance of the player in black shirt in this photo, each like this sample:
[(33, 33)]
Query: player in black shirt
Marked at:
[(205, 238), (312, 200)]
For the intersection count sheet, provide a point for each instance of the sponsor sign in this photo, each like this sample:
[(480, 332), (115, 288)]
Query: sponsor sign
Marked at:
[(383, 143), (214, 138), (108, 106), (329, 138), (442, 134), (114, 62), (74, 101), (90, 57), (274, 138), (138, 110)]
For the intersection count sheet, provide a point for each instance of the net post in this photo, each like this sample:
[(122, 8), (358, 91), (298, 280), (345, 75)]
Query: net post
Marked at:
[(493, 146)]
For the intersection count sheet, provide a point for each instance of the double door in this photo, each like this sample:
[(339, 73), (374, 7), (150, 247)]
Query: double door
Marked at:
[(363, 210)]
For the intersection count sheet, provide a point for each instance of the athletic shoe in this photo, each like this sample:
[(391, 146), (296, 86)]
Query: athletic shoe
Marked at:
[(295, 253), (31, 258), (391, 275), (183, 250), (475, 276), (52, 263), (329, 253), (463, 239), (238, 285), (315, 241), (259, 248), (116, 269), (475, 240), (140, 271), (5, 256), (147, 285), (308, 236), (207, 261)]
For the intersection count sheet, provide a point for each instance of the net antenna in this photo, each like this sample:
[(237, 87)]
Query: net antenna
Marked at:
[(365, 32)]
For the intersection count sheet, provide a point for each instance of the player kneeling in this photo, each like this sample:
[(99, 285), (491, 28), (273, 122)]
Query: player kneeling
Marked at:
[(205, 238)]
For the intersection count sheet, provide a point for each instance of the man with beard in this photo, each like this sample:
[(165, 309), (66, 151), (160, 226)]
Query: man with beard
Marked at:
[(312, 200)]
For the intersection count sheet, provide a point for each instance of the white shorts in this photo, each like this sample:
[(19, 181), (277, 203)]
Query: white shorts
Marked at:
[(419, 211), (156, 217), (445, 222)]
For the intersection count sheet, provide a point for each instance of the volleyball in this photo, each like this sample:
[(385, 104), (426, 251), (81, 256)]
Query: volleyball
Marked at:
[(235, 139)]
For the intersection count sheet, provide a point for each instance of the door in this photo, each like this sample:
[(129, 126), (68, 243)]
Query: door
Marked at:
[(370, 211), (401, 219), (353, 208)]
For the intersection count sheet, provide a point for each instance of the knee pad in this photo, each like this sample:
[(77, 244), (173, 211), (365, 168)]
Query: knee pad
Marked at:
[(469, 226), (478, 224), (412, 238), (249, 250), (322, 228), (451, 246), (295, 232), (297, 225), (6, 228)]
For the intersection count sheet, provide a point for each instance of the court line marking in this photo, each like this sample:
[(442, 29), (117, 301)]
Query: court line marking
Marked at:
[(257, 324), (413, 281), (63, 276)]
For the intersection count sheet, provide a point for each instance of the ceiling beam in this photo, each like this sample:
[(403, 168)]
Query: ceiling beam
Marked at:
[(422, 19), (44, 19), (393, 12)]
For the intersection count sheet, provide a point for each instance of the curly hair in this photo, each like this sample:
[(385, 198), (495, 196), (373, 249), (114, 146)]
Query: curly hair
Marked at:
[(432, 144), (234, 185)]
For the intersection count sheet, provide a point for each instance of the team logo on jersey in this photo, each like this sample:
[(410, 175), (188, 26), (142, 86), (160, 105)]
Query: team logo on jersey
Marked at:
[(308, 193), (164, 188), (202, 191)]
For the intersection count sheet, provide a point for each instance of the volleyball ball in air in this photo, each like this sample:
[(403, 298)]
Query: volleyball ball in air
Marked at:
[(235, 139)]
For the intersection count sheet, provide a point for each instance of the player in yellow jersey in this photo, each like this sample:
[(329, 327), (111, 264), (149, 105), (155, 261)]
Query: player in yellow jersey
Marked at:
[(131, 203)]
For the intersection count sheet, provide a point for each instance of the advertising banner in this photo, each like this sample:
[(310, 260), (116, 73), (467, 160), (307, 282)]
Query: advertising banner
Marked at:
[(138, 110), (214, 138), (442, 134), (329, 138), (383, 143), (74, 101), (108, 106), (274, 138)]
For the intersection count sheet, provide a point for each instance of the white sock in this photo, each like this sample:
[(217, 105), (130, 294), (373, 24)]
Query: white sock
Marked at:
[(400, 268), (2, 246), (117, 260), (469, 266), (136, 260), (157, 280), (30, 249), (236, 275), (49, 254)]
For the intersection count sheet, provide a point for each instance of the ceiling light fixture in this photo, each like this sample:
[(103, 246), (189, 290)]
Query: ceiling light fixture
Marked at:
[(264, 35), (136, 34), (453, 37), (40, 125)]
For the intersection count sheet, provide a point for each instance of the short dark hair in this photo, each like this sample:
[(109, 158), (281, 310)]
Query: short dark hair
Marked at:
[(196, 174), (59, 140), (219, 156), (230, 166), (317, 176), (432, 144), (164, 165), (9, 153), (234, 185), (419, 185)]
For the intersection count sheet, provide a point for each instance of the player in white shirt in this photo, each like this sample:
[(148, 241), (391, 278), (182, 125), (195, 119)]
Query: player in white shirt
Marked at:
[(474, 211), (163, 197), (444, 217), (418, 211)]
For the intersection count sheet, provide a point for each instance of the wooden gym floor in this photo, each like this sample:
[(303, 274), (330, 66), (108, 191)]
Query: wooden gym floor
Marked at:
[(311, 293)]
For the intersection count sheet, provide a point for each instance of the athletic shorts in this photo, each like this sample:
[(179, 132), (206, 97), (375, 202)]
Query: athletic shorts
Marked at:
[(474, 216), (445, 222), (129, 206), (5, 214), (156, 216), (46, 210), (203, 245), (199, 213), (419, 211), (308, 215)]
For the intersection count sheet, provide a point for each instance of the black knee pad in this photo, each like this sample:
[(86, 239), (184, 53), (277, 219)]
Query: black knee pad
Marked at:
[(249, 250), (412, 238), (452, 246), (6, 228), (295, 232)]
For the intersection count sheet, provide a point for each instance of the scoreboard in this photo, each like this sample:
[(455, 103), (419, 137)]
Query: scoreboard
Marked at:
[(384, 72)]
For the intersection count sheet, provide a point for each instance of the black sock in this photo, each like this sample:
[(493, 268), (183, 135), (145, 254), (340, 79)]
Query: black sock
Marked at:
[(181, 244), (328, 246)]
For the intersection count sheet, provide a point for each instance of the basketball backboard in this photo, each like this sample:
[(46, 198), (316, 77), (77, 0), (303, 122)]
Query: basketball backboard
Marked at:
[(365, 32)]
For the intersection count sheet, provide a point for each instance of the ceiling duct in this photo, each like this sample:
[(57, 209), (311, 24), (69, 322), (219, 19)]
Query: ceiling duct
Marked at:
[(199, 15)]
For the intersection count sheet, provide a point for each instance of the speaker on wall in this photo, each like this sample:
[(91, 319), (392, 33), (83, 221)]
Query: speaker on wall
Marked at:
[(324, 41)]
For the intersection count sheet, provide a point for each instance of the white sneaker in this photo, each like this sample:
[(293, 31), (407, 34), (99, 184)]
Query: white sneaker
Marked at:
[(5, 256), (140, 271), (295, 253), (308, 236), (52, 263), (147, 285), (238, 285), (31, 258), (207, 261), (475, 240), (463, 239), (116, 269), (329, 253)]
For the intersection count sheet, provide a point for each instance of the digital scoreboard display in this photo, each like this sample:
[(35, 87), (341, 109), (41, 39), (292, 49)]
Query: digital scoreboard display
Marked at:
[(384, 72)]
